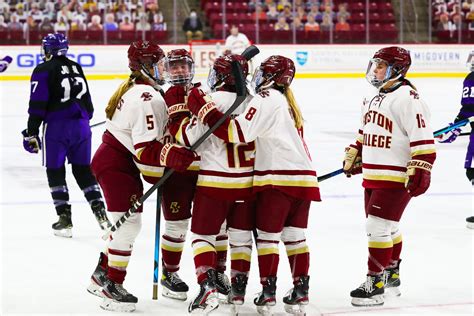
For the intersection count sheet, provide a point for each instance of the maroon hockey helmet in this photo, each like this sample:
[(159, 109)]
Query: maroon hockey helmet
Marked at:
[(144, 54), (275, 70), (398, 62), (221, 72), (179, 67)]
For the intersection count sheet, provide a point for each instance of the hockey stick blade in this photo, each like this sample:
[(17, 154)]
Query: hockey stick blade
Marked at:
[(250, 52), (435, 134), (241, 96), (453, 126), (97, 124)]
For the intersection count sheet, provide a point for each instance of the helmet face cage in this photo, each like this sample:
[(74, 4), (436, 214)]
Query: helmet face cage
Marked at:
[(398, 62), (179, 67), (258, 80), (212, 79), (54, 45), (275, 70), (370, 75), (470, 61), (221, 72)]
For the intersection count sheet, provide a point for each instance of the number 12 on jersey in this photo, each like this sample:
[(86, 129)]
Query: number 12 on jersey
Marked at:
[(240, 155)]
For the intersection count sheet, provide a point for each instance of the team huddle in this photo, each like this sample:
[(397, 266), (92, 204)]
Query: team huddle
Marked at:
[(249, 184)]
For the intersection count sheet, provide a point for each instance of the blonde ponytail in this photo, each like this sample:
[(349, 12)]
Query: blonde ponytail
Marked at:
[(115, 98), (295, 110)]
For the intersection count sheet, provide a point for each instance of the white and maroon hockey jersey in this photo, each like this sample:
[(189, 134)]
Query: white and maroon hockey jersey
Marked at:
[(140, 120), (282, 160), (226, 169), (395, 127)]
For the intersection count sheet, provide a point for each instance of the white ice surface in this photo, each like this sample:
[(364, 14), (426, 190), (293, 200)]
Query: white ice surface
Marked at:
[(43, 274)]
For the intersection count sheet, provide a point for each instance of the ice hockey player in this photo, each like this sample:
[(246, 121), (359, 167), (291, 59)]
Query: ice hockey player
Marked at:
[(60, 100), (178, 190), (224, 192), (467, 111), (136, 118), (284, 180), (395, 153)]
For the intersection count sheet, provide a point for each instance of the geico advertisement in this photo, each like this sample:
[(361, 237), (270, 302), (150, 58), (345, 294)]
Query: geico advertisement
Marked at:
[(93, 59), (307, 58)]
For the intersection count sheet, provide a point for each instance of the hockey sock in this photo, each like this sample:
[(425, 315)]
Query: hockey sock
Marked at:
[(58, 188), (240, 242), (298, 256), (205, 256), (87, 183), (397, 247), (380, 243), (118, 262), (268, 255), (297, 251), (221, 248), (171, 251)]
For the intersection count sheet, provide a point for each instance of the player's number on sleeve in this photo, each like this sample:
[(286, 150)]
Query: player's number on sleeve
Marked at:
[(466, 94), (250, 113), (65, 83), (420, 121), (236, 155), (34, 85)]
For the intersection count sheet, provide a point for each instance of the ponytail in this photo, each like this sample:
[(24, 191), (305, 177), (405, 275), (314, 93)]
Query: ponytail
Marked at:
[(115, 98), (294, 109)]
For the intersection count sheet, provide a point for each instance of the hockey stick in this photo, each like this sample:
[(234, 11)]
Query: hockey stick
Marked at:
[(465, 134), (241, 96), (435, 134), (97, 124), (453, 126), (157, 244)]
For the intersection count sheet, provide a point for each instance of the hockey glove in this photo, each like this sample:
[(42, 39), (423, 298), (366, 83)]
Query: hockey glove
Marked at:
[(177, 157), (200, 104), (450, 136), (352, 164), (175, 98), (31, 143), (418, 177)]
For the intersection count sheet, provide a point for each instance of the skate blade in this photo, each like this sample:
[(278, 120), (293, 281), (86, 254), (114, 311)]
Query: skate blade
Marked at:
[(265, 309), (66, 232), (109, 304), (376, 300), (222, 298), (392, 292), (298, 309), (95, 289), (211, 306), (181, 296), (105, 225), (234, 308)]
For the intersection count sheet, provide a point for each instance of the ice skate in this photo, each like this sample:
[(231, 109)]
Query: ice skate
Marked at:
[(297, 298), (369, 293), (266, 299), (236, 296), (98, 278), (63, 227), (98, 209), (116, 298), (392, 280), (470, 222), (222, 287), (206, 301), (173, 286)]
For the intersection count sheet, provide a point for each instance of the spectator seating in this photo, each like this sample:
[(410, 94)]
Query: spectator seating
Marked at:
[(381, 25)]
